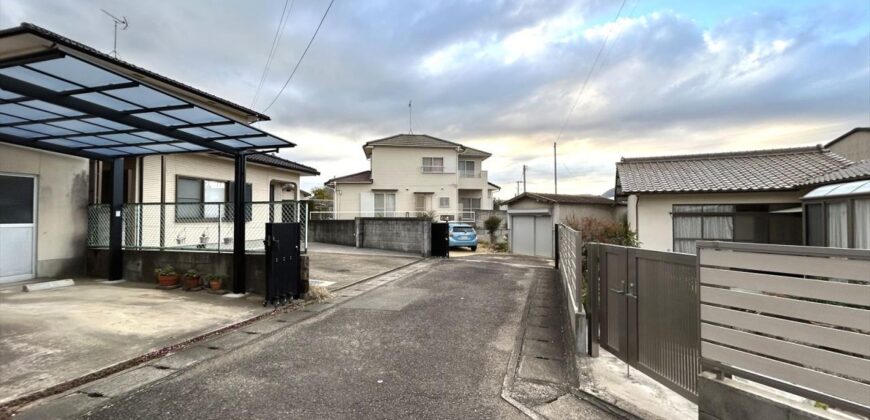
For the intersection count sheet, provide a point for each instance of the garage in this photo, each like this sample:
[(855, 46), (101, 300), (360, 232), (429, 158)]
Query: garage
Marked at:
[(531, 234)]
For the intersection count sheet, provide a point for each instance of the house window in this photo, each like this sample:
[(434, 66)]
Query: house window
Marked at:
[(433, 165), (862, 223), (420, 202), (467, 207), (815, 224), (385, 204), (838, 228), (466, 168), (759, 223), (202, 200), (444, 202)]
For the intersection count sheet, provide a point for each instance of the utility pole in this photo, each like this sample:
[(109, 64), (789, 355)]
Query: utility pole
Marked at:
[(524, 178), (555, 172)]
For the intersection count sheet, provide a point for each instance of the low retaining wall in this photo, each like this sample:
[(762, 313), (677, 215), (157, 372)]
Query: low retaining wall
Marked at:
[(139, 265), (339, 232), (395, 234), (726, 399)]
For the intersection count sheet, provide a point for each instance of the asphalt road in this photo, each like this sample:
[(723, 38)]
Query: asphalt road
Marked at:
[(430, 345)]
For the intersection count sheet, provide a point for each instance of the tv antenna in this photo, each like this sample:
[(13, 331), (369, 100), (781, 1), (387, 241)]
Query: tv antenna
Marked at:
[(121, 21)]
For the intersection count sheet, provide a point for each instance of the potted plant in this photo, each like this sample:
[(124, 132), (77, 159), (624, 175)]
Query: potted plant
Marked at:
[(215, 282), (166, 276), (191, 280)]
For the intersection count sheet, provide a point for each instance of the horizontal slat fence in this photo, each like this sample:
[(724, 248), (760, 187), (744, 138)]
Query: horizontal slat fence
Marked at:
[(795, 318)]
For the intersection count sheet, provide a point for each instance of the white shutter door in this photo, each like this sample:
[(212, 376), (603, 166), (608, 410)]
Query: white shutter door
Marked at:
[(366, 204)]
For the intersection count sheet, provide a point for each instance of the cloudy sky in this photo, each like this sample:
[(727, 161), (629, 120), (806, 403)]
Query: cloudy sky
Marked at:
[(502, 76)]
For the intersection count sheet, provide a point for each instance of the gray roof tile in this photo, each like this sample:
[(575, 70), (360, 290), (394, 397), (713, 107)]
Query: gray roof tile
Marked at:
[(364, 177), (858, 170), (421, 140), (762, 170), (562, 198)]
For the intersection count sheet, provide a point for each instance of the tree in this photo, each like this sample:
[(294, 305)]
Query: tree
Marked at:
[(321, 193), (492, 223)]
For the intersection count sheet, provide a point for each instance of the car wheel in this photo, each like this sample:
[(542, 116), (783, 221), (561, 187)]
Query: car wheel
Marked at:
[(474, 249)]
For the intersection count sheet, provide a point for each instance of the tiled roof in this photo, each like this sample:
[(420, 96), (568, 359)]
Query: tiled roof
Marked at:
[(60, 39), (762, 170), (562, 198), (858, 170), (278, 162), (421, 140), (364, 177)]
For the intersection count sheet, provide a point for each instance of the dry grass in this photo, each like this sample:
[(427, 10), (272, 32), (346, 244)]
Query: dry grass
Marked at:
[(318, 294)]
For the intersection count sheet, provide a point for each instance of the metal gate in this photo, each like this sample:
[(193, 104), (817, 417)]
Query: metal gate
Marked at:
[(440, 240), (647, 311), (282, 263)]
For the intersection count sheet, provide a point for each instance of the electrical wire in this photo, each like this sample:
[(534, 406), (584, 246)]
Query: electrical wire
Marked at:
[(296, 67), (279, 30), (591, 70)]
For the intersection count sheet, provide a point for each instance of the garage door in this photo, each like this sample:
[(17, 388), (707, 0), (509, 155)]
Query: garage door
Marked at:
[(532, 235)]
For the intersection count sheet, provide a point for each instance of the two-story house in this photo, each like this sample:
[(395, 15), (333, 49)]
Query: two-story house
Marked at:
[(413, 175)]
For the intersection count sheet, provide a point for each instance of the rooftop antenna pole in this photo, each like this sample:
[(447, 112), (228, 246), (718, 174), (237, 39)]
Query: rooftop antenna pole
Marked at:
[(410, 120), (121, 21)]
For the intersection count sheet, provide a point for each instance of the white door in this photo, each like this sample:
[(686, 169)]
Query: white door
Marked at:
[(523, 235), (532, 235), (17, 227)]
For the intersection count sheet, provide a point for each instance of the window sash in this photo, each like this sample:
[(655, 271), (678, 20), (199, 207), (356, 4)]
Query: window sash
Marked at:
[(466, 168), (433, 164), (444, 202)]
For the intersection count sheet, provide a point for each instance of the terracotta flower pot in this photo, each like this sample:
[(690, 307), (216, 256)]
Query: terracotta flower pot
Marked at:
[(191, 282), (215, 284), (167, 281)]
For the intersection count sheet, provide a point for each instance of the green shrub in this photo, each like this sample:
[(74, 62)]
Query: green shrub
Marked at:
[(500, 247), (492, 223)]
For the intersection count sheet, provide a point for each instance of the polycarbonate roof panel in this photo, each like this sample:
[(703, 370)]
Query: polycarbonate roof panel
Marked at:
[(840, 190), (112, 115)]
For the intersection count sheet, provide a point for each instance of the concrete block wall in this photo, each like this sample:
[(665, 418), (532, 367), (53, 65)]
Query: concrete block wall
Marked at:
[(480, 216), (395, 234), (139, 265), (339, 232), (726, 399)]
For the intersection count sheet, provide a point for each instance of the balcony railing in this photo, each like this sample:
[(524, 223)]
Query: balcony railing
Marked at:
[(432, 214), (204, 227)]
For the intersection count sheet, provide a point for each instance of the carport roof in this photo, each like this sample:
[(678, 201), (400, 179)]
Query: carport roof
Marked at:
[(62, 96)]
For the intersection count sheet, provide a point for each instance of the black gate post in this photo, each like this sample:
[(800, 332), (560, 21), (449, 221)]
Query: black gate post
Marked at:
[(116, 254), (239, 206), (556, 244)]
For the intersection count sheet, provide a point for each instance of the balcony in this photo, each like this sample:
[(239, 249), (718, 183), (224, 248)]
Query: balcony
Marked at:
[(472, 180)]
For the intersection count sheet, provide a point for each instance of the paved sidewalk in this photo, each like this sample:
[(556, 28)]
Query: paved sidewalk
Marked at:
[(433, 344)]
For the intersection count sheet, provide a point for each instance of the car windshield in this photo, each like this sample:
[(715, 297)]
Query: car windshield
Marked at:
[(466, 229)]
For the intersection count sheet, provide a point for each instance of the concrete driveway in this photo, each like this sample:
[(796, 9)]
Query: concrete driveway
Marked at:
[(432, 344), (53, 336), (336, 266)]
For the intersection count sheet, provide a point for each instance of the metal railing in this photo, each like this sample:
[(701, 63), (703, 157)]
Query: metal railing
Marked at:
[(204, 227), (795, 318)]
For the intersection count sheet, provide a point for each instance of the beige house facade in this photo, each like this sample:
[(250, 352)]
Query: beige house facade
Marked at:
[(412, 175), (753, 196)]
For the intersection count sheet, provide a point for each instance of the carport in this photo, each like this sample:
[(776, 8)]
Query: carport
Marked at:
[(61, 96)]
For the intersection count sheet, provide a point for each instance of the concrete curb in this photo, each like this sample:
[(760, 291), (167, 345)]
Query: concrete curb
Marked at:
[(513, 362)]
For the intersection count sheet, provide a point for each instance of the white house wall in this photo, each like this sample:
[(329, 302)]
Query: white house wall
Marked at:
[(62, 199), (650, 214), (211, 168)]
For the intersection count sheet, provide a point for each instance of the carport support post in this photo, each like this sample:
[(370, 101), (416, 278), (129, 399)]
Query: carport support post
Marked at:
[(116, 254), (239, 225)]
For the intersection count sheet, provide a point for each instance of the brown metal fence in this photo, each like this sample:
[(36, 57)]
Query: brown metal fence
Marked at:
[(644, 307)]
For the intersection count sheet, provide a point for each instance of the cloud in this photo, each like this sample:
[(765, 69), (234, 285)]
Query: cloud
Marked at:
[(501, 75)]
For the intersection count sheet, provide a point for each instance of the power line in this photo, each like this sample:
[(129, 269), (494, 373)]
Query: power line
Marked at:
[(279, 30), (591, 69), (296, 67)]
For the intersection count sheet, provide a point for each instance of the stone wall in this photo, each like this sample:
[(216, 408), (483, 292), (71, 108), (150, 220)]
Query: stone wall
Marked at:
[(139, 265), (395, 234), (339, 232)]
